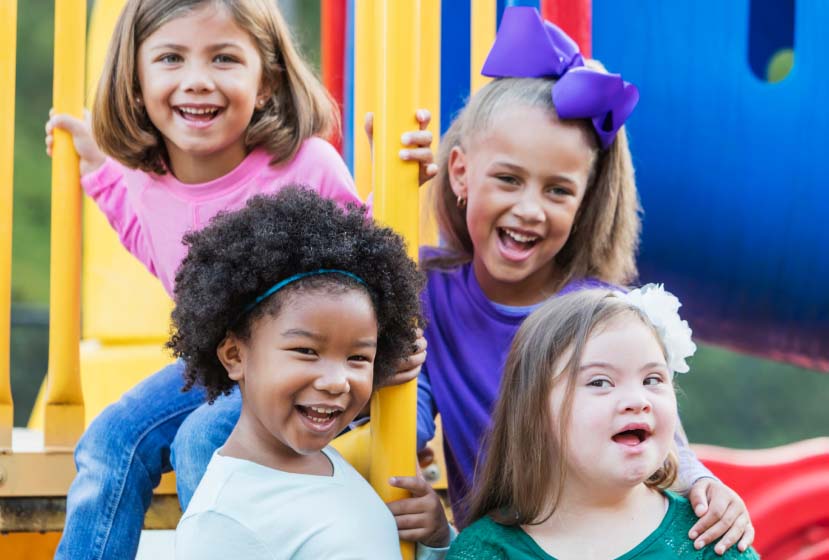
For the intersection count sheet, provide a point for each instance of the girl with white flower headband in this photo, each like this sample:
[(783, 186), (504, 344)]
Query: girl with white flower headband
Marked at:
[(535, 198), (581, 452)]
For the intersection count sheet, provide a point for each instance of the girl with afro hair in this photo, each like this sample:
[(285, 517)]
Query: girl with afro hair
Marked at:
[(306, 307)]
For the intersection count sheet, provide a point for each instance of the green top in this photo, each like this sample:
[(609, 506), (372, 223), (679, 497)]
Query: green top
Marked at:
[(487, 540)]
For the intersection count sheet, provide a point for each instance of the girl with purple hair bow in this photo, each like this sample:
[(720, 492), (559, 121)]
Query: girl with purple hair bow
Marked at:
[(535, 197)]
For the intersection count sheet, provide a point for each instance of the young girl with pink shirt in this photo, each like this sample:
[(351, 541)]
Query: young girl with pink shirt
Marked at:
[(201, 105)]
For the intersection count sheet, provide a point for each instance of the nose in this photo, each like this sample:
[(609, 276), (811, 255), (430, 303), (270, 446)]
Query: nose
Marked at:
[(528, 206), (197, 79), (333, 379), (634, 400)]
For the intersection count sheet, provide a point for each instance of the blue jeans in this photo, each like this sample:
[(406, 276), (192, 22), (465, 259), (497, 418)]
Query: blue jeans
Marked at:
[(121, 456)]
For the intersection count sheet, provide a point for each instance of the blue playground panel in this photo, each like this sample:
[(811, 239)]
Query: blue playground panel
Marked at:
[(732, 170)]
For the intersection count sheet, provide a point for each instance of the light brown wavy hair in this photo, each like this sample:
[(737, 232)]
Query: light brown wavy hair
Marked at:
[(520, 478), (605, 233), (299, 106)]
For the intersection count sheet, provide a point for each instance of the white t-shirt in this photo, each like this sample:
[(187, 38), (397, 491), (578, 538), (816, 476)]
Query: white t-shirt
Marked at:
[(246, 510)]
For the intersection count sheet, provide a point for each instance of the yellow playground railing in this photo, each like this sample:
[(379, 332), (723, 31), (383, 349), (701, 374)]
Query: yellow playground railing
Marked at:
[(397, 69)]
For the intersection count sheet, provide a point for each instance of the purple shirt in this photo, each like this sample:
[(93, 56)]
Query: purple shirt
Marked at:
[(469, 338)]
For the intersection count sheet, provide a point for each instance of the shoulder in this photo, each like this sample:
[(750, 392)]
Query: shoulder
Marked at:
[(683, 519), (319, 150), (482, 540), (437, 262)]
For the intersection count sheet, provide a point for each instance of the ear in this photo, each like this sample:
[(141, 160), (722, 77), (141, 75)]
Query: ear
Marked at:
[(264, 94), (457, 172), (231, 352)]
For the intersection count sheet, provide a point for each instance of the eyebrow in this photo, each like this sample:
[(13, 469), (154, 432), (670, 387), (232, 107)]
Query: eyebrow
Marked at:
[(596, 364), (177, 47), (302, 333), (606, 365)]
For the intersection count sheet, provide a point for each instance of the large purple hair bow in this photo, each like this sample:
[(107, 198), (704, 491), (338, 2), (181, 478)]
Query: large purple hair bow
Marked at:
[(529, 47)]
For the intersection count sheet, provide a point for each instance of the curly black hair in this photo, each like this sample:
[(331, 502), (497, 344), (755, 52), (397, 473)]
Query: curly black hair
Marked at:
[(241, 254)]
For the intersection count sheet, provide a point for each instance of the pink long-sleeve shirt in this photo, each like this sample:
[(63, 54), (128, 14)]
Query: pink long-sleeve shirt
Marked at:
[(151, 213)]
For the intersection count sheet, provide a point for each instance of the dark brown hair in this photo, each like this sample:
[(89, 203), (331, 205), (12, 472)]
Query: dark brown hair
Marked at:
[(299, 106), (516, 483)]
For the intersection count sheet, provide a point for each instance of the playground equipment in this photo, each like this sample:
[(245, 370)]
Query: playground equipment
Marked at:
[(427, 53)]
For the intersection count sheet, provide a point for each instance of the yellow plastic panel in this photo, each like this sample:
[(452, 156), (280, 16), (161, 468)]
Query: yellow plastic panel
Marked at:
[(108, 372), (121, 300)]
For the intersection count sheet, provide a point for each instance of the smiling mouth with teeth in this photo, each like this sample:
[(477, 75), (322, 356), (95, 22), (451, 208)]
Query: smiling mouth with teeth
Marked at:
[(513, 238), (318, 414), (198, 113)]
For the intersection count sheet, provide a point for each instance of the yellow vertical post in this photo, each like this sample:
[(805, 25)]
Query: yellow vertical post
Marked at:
[(428, 81), (394, 409), (364, 85), (482, 33), (8, 50), (63, 422)]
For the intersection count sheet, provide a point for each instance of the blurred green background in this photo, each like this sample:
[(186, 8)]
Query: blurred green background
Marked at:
[(728, 399)]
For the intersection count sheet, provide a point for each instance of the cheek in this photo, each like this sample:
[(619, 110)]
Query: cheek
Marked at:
[(361, 386), (562, 218), (666, 412)]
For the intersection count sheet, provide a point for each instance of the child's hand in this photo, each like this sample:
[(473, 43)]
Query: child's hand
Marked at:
[(417, 144), (721, 512), (409, 368), (90, 155), (420, 518)]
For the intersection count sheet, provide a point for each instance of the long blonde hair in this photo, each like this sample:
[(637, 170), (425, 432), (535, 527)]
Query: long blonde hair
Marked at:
[(605, 233), (516, 483), (299, 106)]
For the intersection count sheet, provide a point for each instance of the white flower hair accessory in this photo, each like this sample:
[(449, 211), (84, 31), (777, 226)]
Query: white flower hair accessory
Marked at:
[(662, 310)]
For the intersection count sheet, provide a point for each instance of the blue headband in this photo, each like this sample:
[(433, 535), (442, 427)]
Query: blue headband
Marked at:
[(282, 283)]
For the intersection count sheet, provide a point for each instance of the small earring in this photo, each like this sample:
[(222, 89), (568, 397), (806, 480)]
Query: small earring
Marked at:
[(261, 102), (138, 100), (461, 202)]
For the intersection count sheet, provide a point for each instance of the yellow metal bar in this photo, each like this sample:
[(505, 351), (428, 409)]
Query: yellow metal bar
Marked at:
[(393, 409), (364, 85), (63, 422), (8, 49), (428, 80), (482, 32)]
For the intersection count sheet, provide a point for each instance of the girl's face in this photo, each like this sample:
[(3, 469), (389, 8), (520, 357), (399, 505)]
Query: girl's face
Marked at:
[(306, 372), (623, 411), (201, 78), (524, 179)]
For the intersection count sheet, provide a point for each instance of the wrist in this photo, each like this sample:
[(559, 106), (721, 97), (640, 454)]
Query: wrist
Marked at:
[(92, 165)]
